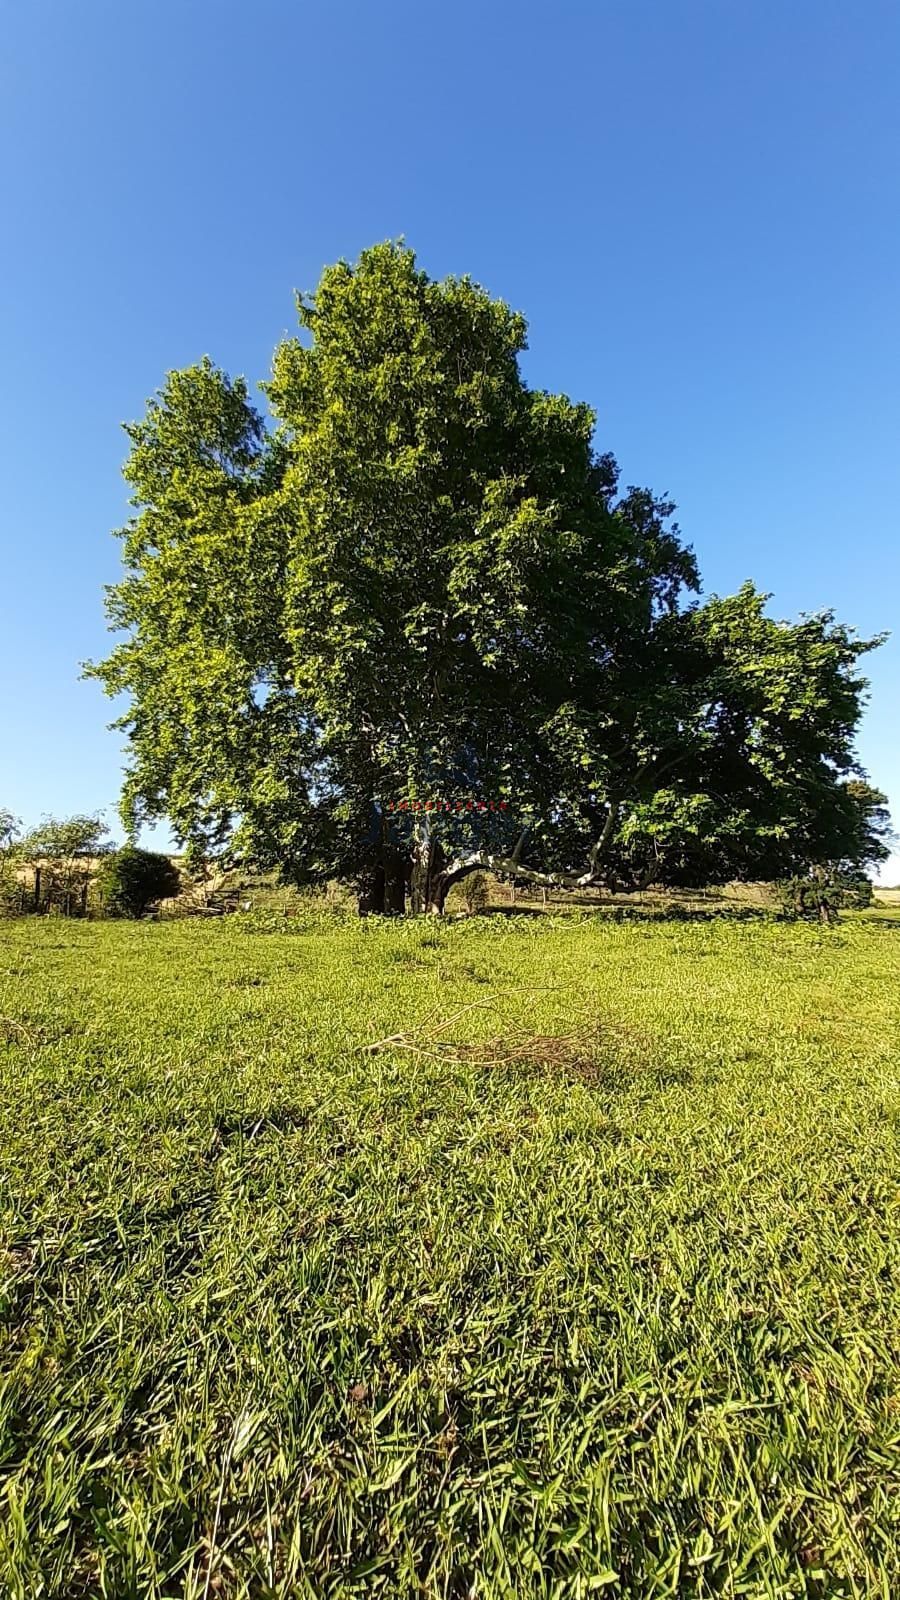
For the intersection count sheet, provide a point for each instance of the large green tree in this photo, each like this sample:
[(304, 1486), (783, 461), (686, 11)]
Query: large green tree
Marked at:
[(413, 628)]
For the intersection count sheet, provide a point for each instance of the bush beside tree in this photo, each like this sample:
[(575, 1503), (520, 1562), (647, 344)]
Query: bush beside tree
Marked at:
[(132, 880), (476, 893), (819, 896)]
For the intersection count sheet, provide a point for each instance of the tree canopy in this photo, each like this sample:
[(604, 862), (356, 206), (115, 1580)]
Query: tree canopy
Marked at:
[(414, 627)]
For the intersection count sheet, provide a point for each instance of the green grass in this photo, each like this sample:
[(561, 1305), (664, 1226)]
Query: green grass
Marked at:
[(285, 1318)]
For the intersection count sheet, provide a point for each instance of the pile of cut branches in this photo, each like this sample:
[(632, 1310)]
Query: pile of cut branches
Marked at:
[(577, 1054)]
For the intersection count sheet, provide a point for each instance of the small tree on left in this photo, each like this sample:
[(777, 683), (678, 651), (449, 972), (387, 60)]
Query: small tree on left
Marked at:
[(9, 886), (63, 853)]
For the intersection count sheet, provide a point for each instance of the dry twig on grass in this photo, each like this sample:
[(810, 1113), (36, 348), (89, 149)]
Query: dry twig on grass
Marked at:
[(10, 1025), (571, 1052), (406, 1040)]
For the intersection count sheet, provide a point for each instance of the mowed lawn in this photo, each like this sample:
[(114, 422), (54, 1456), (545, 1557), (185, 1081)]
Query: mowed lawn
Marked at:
[(593, 1291)]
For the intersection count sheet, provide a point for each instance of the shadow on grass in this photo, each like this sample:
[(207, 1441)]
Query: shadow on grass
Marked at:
[(640, 913)]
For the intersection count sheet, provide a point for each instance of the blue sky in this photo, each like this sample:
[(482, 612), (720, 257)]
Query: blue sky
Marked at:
[(696, 205)]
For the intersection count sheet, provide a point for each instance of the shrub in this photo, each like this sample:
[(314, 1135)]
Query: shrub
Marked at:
[(11, 896), (133, 879), (858, 892), (819, 896), (475, 892)]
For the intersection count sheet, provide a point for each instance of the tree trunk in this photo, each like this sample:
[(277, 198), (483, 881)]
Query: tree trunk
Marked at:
[(383, 879), (429, 882), (439, 889), (370, 891), (437, 886), (395, 869)]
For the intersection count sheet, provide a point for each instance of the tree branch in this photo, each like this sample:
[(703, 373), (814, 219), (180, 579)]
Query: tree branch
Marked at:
[(520, 843), (508, 866), (605, 835)]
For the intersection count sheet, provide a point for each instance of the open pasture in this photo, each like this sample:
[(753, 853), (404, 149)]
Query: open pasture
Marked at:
[(584, 1282)]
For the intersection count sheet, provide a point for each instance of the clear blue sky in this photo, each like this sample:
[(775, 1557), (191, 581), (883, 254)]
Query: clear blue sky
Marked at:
[(697, 206)]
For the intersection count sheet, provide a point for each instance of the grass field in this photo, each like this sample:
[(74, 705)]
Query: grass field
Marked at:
[(585, 1284)]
